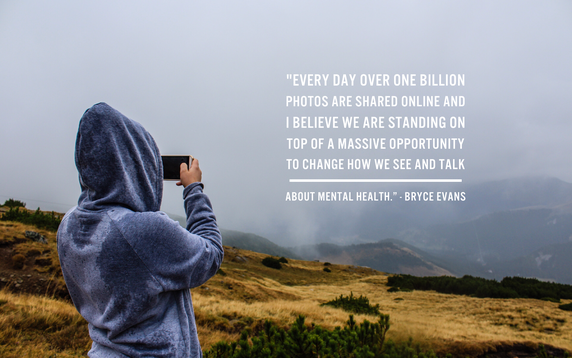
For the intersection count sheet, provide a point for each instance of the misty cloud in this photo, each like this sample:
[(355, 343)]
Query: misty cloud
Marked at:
[(209, 79)]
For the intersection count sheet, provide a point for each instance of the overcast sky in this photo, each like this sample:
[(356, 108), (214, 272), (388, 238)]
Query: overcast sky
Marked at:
[(210, 79)]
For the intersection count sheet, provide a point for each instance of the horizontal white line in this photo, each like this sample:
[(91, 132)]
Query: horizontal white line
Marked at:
[(376, 180)]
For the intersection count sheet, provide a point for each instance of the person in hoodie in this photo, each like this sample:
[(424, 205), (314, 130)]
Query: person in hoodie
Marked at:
[(129, 267)]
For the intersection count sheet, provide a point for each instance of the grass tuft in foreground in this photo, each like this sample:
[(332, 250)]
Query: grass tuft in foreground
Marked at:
[(31, 326)]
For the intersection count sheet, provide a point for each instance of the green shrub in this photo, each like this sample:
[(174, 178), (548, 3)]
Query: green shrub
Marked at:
[(283, 260), (358, 305), (509, 287), (542, 353), (327, 269), (363, 340), (11, 203), (327, 264), (221, 272), (272, 263), (566, 307), (301, 341), (49, 222)]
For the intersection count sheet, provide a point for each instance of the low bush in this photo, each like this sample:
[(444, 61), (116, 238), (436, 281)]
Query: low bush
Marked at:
[(364, 340), (283, 260), (11, 203), (49, 222), (354, 304), (509, 287), (358, 341), (272, 263), (327, 269)]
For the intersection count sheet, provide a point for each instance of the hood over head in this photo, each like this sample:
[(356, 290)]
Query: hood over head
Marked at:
[(118, 162)]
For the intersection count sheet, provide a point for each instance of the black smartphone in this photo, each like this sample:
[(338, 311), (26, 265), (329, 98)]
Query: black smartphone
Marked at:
[(172, 166)]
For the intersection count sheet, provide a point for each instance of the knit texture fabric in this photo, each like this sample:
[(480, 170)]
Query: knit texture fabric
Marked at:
[(128, 266)]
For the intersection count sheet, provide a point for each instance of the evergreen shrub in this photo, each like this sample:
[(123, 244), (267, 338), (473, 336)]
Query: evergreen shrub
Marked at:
[(49, 222), (359, 341), (354, 304), (509, 287), (11, 203), (272, 263)]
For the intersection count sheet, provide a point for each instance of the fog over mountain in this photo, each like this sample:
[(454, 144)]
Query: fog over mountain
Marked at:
[(211, 79), (399, 219), (516, 227)]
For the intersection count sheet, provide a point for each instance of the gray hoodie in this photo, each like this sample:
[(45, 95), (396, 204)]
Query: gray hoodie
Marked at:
[(128, 266)]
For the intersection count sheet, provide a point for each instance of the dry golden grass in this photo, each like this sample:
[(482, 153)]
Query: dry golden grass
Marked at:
[(252, 293), (41, 279), (249, 293), (32, 326), (12, 232)]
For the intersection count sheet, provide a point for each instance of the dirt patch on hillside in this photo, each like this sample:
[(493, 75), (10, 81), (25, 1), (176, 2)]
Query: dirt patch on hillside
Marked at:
[(28, 266)]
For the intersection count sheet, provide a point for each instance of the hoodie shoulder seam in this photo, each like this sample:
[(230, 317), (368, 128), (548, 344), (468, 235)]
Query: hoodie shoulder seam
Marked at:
[(134, 251)]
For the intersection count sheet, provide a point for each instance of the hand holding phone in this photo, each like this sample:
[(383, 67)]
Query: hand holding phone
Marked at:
[(190, 175)]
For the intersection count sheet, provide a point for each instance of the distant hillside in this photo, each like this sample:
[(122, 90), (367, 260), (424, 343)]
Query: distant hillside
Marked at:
[(401, 219), (500, 230), (551, 262), (255, 243), (530, 242), (387, 255), (246, 241), (500, 236), (517, 193)]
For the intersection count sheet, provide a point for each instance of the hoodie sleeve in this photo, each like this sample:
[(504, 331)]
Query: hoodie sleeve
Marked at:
[(178, 258)]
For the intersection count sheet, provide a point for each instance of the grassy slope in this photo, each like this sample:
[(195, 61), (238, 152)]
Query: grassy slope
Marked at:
[(443, 322), (45, 278), (35, 326), (249, 293)]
